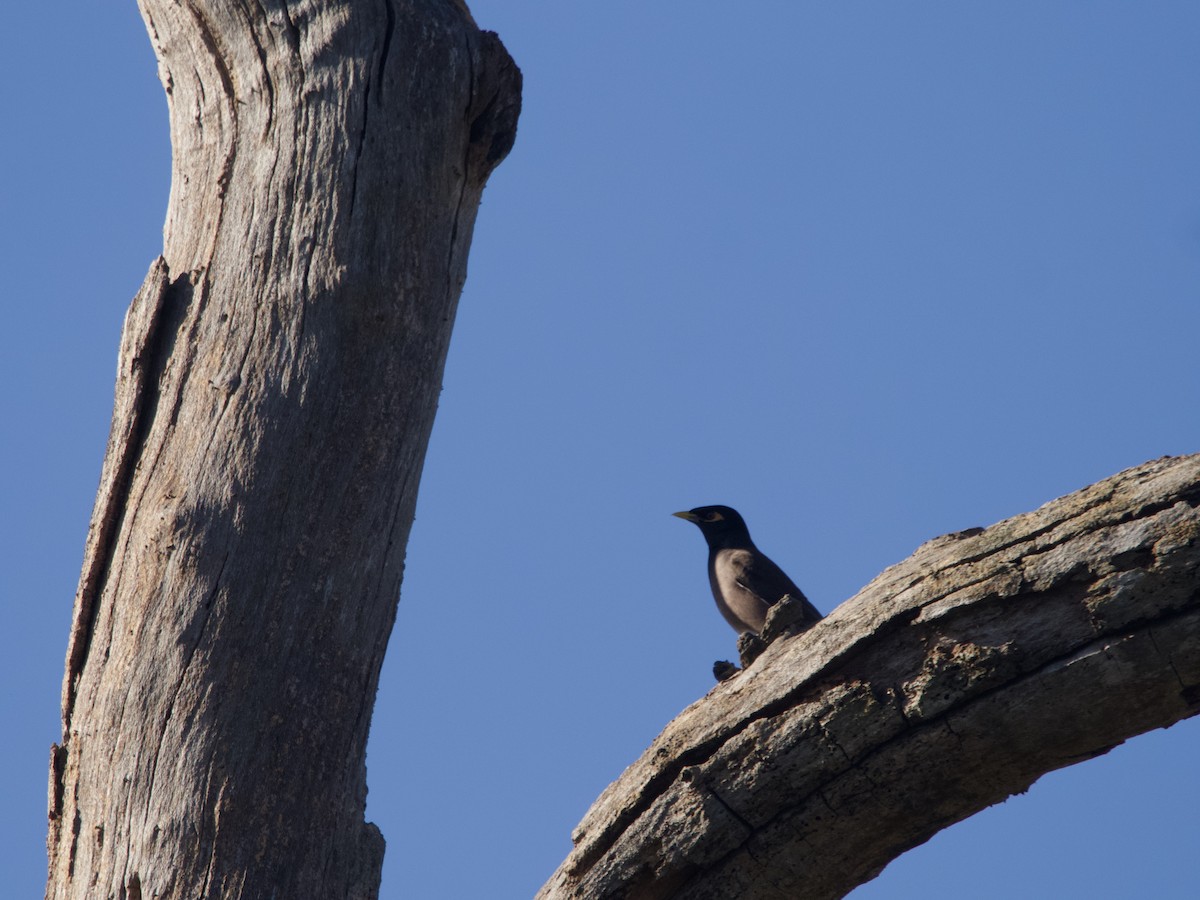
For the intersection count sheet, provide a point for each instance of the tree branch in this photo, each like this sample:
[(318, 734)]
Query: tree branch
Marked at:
[(279, 374), (952, 681)]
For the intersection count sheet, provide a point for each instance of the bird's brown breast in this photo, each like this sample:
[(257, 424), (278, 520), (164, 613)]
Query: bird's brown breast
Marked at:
[(741, 607)]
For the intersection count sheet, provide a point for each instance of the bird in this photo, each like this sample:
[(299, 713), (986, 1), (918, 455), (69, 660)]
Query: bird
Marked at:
[(745, 583)]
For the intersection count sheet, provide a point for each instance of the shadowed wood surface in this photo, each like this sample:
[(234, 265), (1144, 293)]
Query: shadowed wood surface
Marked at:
[(952, 681), (277, 382)]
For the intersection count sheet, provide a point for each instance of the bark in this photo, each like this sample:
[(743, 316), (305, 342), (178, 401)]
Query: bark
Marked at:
[(277, 381), (950, 682)]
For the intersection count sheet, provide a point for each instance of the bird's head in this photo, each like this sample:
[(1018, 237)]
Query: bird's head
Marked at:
[(717, 523)]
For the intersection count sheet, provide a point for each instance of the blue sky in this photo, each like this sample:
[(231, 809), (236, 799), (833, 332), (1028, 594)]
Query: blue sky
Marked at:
[(869, 272)]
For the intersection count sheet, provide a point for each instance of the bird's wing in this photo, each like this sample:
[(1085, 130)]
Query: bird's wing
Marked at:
[(757, 574)]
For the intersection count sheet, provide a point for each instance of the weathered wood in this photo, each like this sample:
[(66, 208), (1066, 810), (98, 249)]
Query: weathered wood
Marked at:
[(277, 383), (950, 682)]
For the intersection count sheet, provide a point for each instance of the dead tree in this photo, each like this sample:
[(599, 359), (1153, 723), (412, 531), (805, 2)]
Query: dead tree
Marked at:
[(950, 682), (277, 381)]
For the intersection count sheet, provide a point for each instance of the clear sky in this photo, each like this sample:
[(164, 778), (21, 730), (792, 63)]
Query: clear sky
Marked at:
[(869, 272)]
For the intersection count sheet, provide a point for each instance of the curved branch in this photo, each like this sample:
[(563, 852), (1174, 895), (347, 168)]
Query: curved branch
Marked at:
[(950, 682)]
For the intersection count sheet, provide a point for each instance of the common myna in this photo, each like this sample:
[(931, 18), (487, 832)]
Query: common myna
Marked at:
[(744, 582)]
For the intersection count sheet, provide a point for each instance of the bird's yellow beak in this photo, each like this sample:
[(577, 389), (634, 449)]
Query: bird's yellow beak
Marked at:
[(691, 517)]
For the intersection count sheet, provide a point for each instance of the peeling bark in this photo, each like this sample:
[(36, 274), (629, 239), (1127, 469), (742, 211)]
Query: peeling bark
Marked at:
[(277, 382), (952, 681)]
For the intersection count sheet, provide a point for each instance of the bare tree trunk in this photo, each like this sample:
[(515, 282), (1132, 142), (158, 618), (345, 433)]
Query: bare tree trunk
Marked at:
[(277, 382), (952, 681)]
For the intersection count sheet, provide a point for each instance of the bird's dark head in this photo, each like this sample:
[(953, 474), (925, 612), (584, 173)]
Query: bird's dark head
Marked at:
[(720, 525)]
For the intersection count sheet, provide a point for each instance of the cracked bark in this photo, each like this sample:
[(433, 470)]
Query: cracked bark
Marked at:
[(952, 681), (277, 381)]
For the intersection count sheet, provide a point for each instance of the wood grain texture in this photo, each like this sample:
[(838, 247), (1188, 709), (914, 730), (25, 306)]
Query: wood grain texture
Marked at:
[(950, 682), (278, 379)]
